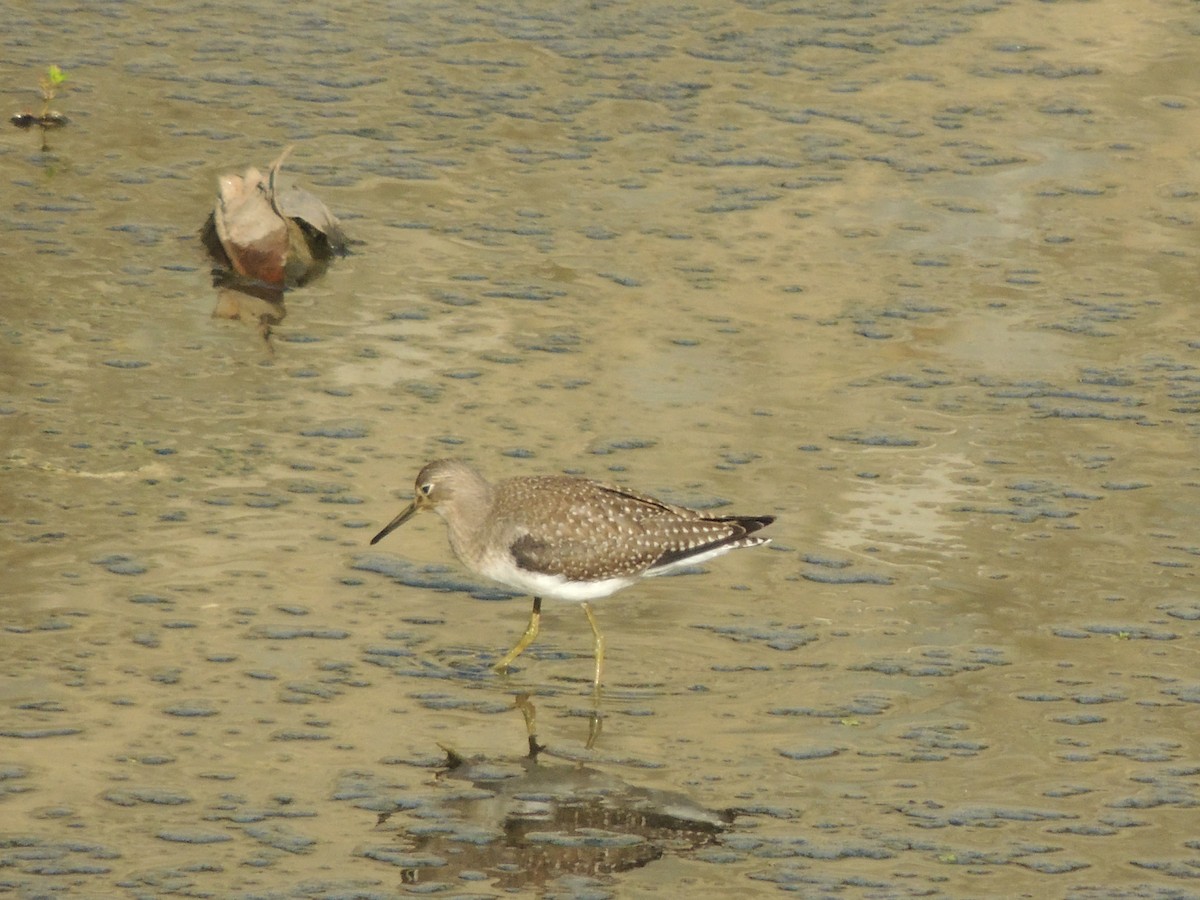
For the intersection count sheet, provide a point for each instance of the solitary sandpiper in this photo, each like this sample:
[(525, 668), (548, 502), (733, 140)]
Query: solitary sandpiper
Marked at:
[(568, 538)]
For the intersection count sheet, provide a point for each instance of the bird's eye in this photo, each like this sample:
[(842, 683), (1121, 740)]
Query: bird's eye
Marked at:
[(426, 489)]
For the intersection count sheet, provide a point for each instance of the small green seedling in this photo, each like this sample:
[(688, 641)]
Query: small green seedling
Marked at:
[(50, 83)]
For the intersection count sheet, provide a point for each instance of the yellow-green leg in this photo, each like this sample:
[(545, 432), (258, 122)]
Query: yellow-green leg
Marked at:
[(596, 720), (531, 633), (529, 711), (599, 648)]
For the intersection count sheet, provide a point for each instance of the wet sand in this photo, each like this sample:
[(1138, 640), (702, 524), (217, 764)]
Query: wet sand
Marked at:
[(917, 282)]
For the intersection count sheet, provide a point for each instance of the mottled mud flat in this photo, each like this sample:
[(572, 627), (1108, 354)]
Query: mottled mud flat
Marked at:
[(918, 282)]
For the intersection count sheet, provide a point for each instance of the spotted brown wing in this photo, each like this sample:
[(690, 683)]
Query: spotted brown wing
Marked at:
[(586, 531)]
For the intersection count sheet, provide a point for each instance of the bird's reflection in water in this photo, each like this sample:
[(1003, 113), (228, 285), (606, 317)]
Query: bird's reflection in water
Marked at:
[(529, 711), (524, 822), (258, 306)]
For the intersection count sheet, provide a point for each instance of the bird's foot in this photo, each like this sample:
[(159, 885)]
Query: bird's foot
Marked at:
[(595, 726)]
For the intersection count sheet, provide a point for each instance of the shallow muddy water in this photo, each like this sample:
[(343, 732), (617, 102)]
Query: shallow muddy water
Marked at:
[(917, 281)]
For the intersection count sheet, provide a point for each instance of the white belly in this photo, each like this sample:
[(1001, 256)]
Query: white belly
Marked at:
[(553, 587)]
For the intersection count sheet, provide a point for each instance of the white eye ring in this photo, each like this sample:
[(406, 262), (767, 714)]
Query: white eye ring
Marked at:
[(426, 489)]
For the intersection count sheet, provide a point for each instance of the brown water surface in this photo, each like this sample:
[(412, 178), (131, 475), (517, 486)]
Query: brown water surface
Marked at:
[(918, 280)]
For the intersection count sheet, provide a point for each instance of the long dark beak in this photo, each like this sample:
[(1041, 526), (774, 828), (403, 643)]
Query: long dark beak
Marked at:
[(407, 513)]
